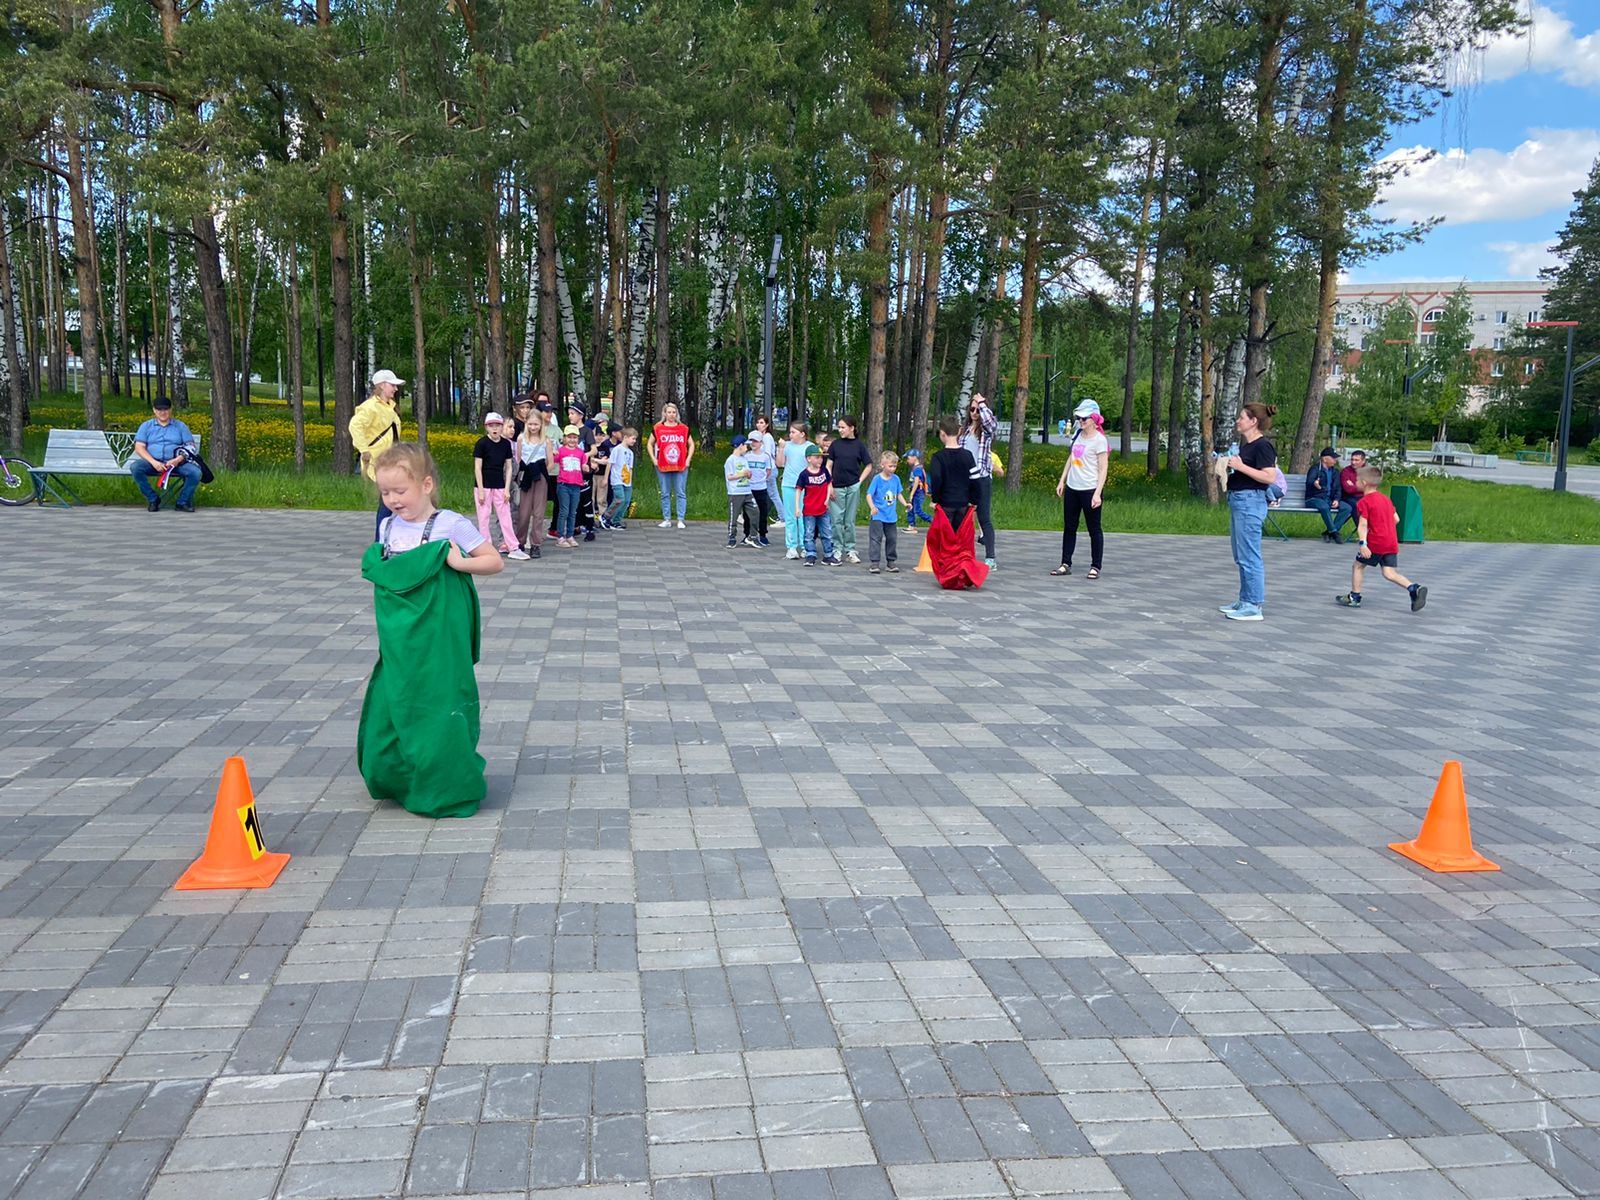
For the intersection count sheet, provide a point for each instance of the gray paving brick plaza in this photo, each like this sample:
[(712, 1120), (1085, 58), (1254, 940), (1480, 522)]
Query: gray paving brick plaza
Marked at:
[(800, 884)]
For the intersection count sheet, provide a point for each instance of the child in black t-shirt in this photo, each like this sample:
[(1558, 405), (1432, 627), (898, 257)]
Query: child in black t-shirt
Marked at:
[(491, 475)]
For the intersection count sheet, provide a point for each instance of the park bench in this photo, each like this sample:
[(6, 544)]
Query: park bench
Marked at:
[(1294, 501), (1535, 456), (1462, 455), (80, 452)]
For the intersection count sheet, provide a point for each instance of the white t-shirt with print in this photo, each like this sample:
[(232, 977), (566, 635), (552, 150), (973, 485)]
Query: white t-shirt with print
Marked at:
[(1083, 472)]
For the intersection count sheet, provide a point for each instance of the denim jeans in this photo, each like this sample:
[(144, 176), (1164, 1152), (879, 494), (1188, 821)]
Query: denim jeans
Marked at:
[(842, 512), (794, 528), (1247, 511), (143, 472), (815, 527), (775, 497), (674, 483), (1333, 519), (567, 495), (621, 497), (917, 512)]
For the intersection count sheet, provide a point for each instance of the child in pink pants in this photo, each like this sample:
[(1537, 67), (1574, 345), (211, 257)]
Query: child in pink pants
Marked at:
[(492, 463)]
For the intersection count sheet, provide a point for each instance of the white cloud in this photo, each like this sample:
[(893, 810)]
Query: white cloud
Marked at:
[(1524, 259), (1464, 186), (1546, 46)]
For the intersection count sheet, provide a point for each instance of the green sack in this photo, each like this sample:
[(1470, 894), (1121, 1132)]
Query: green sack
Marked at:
[(418, 740)]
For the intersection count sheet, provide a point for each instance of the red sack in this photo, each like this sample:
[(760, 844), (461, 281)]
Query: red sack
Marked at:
[(950, 552)]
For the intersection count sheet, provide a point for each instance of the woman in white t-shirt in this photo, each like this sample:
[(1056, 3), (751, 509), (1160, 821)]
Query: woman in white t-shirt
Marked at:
[(1082, 487)]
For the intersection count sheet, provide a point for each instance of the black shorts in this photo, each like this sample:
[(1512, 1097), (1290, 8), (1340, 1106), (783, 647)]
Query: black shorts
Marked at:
[(1379, 560)]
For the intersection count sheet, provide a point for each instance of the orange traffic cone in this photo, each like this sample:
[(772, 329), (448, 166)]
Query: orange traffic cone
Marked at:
[(236, 854), (923, 564), (1445, 843)]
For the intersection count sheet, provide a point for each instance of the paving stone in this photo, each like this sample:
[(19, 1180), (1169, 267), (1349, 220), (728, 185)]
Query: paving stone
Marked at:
[(881, 936)]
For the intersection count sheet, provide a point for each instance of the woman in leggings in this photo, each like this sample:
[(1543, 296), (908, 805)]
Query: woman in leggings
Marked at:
[(1082, 487)]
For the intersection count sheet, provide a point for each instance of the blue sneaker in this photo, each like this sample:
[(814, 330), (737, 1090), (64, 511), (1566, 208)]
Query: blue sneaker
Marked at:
[(1246, 612), (1225, 609)]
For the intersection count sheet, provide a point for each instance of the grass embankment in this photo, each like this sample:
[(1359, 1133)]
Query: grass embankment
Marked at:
[(1453, 509)]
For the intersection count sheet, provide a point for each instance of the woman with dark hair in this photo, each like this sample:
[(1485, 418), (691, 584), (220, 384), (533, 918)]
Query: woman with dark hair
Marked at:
[(1251, 467), (978, 439)]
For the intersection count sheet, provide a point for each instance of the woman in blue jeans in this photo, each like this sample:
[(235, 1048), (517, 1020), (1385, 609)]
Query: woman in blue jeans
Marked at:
[(1252, 468)]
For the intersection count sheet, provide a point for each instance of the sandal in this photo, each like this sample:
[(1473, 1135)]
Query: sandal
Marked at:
[(1063, 569), (1094, 573)]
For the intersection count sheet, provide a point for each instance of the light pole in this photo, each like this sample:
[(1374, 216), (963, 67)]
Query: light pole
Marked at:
[(1564, 421)]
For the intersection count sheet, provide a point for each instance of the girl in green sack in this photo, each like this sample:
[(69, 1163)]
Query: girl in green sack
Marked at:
[(418, 739)]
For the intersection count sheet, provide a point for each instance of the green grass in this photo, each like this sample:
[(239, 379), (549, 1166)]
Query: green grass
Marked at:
[(1453, 509)]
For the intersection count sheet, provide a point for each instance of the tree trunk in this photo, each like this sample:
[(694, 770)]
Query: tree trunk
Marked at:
[(53, 285), (991, 375), (121, 375), (1158, 299), (13, 345), (419, 339), (1175, 402), (904, 264), (344, 403), (83, 268), (177, 374), (530, 327), (550, 310), (221, 447), (663, 364), (797, 398), (369, 359), (969, 366), (297, 398), (1208, 392), (494, 338), (880, 102), (248, 333), (1019, 406), (1265, 218), (1193, 376), (569, 326), (1333, 237), (1131, 359), (638, 311)]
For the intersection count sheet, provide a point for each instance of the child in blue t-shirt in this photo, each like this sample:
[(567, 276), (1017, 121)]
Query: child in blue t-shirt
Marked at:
[(919, 489), (884, 499)]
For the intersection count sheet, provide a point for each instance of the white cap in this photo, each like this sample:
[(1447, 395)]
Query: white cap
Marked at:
[(493, 418), (387, 377), (1086, 408)]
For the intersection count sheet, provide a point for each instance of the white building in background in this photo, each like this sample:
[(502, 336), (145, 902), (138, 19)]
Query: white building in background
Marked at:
[(1499, 307)]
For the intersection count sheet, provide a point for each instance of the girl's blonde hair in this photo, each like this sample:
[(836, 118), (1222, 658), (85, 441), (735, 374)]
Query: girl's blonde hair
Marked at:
[(413, 460)]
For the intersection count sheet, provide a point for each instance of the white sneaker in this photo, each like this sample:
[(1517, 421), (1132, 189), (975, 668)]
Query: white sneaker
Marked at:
[(990, 563), (518, 555), (681, 525), (665, 525), (792, 553), (853, 557)]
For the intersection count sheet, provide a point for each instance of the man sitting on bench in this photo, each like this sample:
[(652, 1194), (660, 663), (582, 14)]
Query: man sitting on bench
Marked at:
[(1324, 493), (163, 443)]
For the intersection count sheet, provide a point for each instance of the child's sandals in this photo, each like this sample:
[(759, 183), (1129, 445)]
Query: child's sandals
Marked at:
[(1094, 573)]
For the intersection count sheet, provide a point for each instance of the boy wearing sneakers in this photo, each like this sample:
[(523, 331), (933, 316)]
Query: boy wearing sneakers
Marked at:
[(918, 477), (884, 499), (1378, 531), (813, 491), (621, 479), (740, 501)]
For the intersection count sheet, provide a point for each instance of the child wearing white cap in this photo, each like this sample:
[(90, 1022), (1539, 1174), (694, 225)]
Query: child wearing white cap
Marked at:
[(491, 474)]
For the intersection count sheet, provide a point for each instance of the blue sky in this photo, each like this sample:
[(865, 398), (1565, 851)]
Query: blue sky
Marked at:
[(1511, 150)]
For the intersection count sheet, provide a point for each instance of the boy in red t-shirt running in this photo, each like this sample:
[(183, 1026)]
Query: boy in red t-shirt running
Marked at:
[(1378, 528)]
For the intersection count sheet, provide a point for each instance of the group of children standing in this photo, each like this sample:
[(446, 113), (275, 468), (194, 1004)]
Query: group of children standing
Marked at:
[(796, 482)]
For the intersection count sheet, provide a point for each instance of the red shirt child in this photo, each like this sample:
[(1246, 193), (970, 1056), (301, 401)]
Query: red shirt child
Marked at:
[(814, 486), (1383, 523)]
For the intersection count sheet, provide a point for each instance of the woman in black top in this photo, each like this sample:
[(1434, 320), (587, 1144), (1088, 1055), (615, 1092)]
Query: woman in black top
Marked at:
[(1250, 471)]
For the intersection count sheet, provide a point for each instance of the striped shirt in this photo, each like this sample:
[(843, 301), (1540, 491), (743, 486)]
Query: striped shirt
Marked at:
[(980, 446)]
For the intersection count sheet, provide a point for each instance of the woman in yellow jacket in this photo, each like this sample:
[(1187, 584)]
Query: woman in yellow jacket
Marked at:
[(374, 427)]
